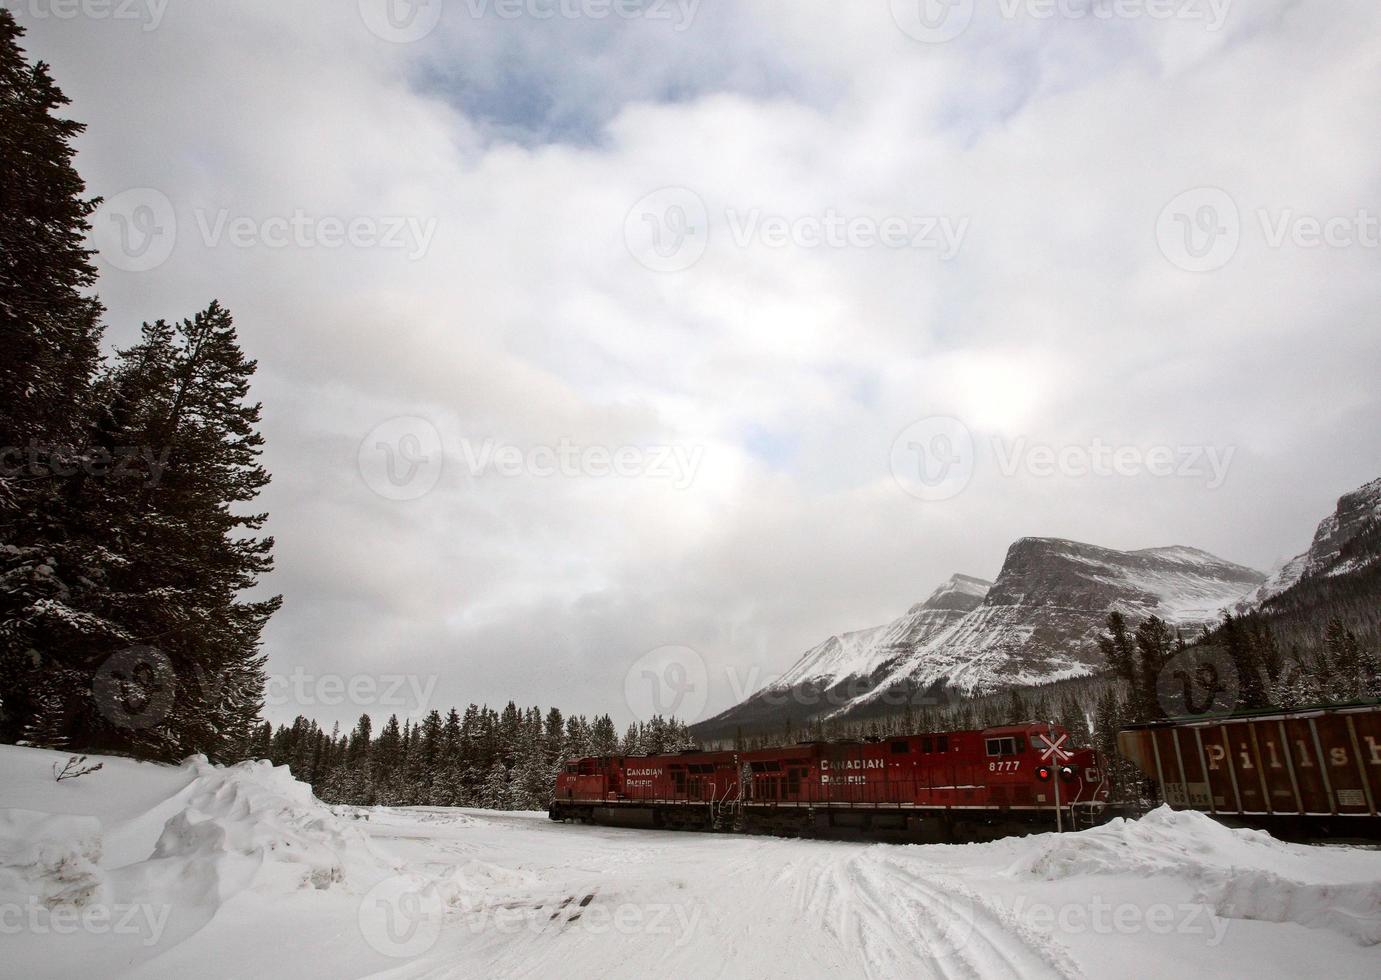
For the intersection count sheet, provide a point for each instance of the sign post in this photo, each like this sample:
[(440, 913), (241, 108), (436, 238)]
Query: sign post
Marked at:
[(1055, 754)]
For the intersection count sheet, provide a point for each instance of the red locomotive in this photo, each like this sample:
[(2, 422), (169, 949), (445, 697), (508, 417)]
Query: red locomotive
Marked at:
[(939, 786)]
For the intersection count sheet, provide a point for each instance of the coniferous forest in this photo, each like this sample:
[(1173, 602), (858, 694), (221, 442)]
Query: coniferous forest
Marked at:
[(502, 760), (128, 533)]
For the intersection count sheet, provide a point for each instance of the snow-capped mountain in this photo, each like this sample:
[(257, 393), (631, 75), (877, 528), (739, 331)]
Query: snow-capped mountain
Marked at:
[(1354, 511), (860, 653), (835, 673), (1037, 622), (1040, 620)]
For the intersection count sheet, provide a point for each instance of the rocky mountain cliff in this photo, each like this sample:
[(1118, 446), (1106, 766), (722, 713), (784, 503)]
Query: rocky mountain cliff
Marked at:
[(1354, 512), (1037, 622)]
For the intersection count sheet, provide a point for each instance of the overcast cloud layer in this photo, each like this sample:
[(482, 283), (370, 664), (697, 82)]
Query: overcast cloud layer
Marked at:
[(745, 253)]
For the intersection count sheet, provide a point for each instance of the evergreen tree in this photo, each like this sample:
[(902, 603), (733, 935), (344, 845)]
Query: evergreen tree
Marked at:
[(1118, 649), (604, 739), (177, 550), (1155, 645), (50, 334), (1073, 720), (496, 793), (385, 763), (1252, 692), (50, 328)]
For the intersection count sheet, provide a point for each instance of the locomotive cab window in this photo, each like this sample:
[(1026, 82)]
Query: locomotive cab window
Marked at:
[(899, 748), (1002, 746)]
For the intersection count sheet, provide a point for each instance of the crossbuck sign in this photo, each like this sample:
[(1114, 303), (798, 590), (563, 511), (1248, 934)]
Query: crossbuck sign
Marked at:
[(1053, 750)]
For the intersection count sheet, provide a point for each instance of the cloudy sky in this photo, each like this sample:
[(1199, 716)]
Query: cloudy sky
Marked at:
[(594, 327)]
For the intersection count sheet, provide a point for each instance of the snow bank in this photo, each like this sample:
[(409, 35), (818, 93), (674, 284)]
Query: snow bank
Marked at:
[(1239, 874), (252, 827), (225, 830), (1352, 909), (1164, 841)]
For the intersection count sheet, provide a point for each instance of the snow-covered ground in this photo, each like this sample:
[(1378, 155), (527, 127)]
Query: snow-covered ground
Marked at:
[(143, 870)]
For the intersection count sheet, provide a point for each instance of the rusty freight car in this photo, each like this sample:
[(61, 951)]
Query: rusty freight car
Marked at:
[(1310, 771)]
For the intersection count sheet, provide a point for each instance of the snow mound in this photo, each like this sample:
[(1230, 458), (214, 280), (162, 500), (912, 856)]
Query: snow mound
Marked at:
[(1165, 841), (1352, 909), (246, 827), (253, 824)]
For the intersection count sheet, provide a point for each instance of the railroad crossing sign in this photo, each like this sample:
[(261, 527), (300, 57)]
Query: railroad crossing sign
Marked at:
[(1053, 750)]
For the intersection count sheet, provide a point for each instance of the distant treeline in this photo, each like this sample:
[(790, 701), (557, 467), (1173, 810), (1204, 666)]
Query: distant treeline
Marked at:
[(500, 760)]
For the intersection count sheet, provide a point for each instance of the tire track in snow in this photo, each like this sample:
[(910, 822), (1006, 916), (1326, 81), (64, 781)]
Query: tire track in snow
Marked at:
[(963, 935), (892, 920)]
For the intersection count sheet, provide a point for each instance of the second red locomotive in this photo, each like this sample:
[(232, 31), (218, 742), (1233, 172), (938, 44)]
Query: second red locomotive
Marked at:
[(941, 786)]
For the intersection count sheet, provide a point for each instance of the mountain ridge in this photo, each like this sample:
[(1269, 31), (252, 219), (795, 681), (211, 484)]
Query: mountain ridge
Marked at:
[(1037, 621)]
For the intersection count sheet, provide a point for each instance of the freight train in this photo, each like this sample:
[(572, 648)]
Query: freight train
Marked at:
[(1295, 773), (941, 786)]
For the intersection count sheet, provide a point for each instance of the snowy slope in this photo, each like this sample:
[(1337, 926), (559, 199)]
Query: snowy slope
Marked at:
[(1041, 618), (1353, 512), (859, 653), (468, 894), (1037, 622), (152, 855), (835, 673)]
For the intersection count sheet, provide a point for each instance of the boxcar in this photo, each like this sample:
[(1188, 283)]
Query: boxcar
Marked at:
[(1314, 770)]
